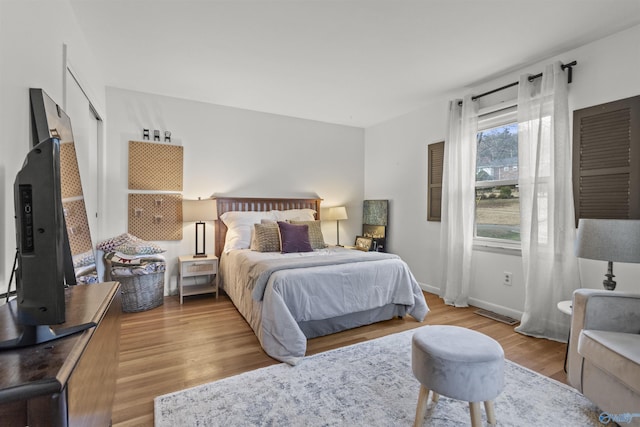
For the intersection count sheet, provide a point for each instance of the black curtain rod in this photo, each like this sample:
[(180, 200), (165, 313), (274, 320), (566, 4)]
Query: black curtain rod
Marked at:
[(570, 66)]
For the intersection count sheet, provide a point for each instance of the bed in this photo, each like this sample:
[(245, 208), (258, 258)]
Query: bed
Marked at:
[(288, 298)]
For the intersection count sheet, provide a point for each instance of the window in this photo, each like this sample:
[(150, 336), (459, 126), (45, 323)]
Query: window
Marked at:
[(497, 196)]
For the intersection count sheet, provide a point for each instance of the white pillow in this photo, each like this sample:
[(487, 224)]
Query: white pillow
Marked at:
[(295, 214), (240, 227)]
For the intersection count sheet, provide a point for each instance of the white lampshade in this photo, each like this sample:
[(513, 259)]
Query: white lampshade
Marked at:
[(337, 213), (199, 210), (609, 240)]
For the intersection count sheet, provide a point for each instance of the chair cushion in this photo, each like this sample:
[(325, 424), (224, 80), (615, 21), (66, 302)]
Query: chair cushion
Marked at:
[(616, 353)]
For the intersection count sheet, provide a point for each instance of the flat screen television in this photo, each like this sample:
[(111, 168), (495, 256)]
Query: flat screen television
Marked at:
[(40, 237), (44, 255)]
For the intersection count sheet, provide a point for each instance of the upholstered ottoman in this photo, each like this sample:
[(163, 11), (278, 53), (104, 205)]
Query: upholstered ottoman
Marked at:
[(458, 363)]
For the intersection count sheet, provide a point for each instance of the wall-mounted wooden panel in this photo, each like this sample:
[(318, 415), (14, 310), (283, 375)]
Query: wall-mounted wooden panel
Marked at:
[(154, 166), (155, 216)]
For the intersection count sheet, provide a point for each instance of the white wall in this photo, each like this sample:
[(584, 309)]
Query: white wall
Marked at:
[(230, 151), (32, 35), (396, 169)]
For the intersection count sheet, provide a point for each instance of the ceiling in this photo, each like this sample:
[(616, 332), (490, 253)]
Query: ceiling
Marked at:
[(352, 62)]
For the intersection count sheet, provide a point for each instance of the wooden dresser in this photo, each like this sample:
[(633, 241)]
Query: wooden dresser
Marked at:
[(70, 381)]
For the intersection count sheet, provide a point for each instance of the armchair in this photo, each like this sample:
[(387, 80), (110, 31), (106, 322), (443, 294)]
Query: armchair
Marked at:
[(603, 360)]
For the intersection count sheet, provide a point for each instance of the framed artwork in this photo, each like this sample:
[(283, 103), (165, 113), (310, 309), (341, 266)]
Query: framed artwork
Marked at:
[(374, 231), (377, 234), (375, 212), (363, 243)]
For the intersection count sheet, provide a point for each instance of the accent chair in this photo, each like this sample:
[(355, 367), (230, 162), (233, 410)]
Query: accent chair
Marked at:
[(604, 350)]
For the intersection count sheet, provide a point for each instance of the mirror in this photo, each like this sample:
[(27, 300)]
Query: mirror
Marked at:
[(50, 121)]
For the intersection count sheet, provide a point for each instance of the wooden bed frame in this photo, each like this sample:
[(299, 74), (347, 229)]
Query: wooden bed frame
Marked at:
[(251, 204), (281, 336)]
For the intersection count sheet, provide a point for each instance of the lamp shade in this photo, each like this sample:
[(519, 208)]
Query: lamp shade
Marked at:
[(609, 240), (199, 210), (336, 214)]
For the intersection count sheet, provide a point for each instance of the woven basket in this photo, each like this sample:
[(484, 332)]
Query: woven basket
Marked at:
[(140, 293)]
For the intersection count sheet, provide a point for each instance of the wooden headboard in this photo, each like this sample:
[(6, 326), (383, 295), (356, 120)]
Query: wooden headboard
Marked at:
[(250, 204)]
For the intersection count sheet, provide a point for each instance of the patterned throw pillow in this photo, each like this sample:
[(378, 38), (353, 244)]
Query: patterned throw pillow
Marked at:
[(315, 233), (239, 228), (266, 237)]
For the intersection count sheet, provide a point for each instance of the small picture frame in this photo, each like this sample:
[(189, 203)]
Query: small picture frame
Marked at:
[(363, 243)]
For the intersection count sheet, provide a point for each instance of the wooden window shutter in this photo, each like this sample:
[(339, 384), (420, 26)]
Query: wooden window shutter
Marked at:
[(434, 190), (606, 160)]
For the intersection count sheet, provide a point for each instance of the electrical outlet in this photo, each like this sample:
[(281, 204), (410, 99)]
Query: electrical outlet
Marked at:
[(507, 278)]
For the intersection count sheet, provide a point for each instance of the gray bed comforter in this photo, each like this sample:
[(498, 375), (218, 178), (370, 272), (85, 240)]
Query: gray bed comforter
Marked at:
[(275, 292), (258, 272)]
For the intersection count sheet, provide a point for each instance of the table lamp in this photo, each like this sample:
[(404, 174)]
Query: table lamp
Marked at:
[(199, 211), (609, 240), (337, 214)]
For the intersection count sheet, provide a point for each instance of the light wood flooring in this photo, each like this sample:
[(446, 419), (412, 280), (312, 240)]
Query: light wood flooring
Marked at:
[(175, 346)]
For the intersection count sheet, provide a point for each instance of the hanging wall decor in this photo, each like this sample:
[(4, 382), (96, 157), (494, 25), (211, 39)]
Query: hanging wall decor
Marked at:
[(155, 216), (154, 166)]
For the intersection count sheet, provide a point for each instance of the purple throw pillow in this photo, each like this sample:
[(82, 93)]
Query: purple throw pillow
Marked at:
[(294, 238)]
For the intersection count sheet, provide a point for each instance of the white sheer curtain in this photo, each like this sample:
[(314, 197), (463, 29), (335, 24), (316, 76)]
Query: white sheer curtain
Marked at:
[(458, 198), (546, 203)]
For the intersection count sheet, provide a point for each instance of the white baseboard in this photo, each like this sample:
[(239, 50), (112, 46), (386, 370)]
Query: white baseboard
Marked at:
[(429, 288), (476, 302), (500, 309)]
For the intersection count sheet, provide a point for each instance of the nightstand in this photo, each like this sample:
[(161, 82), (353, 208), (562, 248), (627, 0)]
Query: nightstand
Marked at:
[(196, 267), (566, 308)]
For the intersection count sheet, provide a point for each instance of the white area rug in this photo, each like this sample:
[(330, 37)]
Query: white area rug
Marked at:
[(366, 384)]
